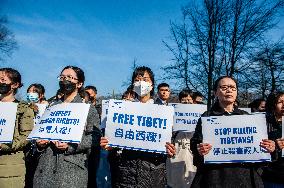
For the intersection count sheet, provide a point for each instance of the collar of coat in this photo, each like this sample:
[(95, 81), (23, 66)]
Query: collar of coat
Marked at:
[(77, 99), (216, 110)]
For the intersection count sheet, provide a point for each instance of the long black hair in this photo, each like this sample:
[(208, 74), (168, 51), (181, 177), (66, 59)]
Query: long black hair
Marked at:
[(270, 106)]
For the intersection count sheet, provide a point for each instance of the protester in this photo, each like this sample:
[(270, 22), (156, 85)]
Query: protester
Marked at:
[(164, 93), (197, 97), (131, 168), (129, 94), (65, 164), (180, 170), (85, 96), (35, 96), (224, 175), (185, 96), (35, 93), (273, 174), (12, 164), (92, 91), (258, 105)]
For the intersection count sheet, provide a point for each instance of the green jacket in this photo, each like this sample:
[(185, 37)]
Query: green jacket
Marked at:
[(12, 162)]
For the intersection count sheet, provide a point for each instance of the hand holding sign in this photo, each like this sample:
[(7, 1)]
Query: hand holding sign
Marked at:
[(42, 143), (104, 143), (269, 145), (60, 145), (204, 148), (171, 150)]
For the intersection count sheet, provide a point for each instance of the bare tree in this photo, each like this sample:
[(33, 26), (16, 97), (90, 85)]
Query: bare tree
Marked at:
[(179, 70), (218, 39), (132, 68), (7, 40), (270, 61)]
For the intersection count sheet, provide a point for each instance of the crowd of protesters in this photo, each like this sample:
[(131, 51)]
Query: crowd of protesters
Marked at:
[(56, 164)]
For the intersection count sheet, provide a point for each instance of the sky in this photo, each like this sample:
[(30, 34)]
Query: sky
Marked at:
[(103, 37)]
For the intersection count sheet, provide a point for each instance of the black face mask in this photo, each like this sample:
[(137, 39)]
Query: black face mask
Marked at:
[(67, 87), (4, 88)]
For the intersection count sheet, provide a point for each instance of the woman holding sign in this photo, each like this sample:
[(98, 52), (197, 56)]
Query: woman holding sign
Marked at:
[(65, 164), (273, 175), (12, 164), (131, 168), (226, 174)]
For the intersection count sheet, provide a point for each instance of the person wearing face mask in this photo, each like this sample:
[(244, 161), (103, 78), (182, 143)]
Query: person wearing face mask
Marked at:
[(273, 174), (131, 168), (35, 94), (12, 163), (64, 164), (224, 175)]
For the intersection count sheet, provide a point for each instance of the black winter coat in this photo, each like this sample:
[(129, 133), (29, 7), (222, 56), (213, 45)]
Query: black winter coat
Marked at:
[(274, 172), (244, 175), (137, 169)]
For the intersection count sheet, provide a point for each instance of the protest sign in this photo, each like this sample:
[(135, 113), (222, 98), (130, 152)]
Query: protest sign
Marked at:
[(186, 116), (235, 139), (64, 122), (139, 126), (104, 113), (8, 112), (41, 109)]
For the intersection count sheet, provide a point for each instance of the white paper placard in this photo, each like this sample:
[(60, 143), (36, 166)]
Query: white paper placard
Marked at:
[(63, 122), (41, 109), (104, 113), (139, 126), (186, 116), (8, 112), (235, 139)]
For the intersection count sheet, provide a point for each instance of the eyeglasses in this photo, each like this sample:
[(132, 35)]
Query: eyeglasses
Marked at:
[(226, 87), (66, 77)]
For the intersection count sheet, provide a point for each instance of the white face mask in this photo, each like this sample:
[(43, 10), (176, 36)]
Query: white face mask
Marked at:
[(142, 88)]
